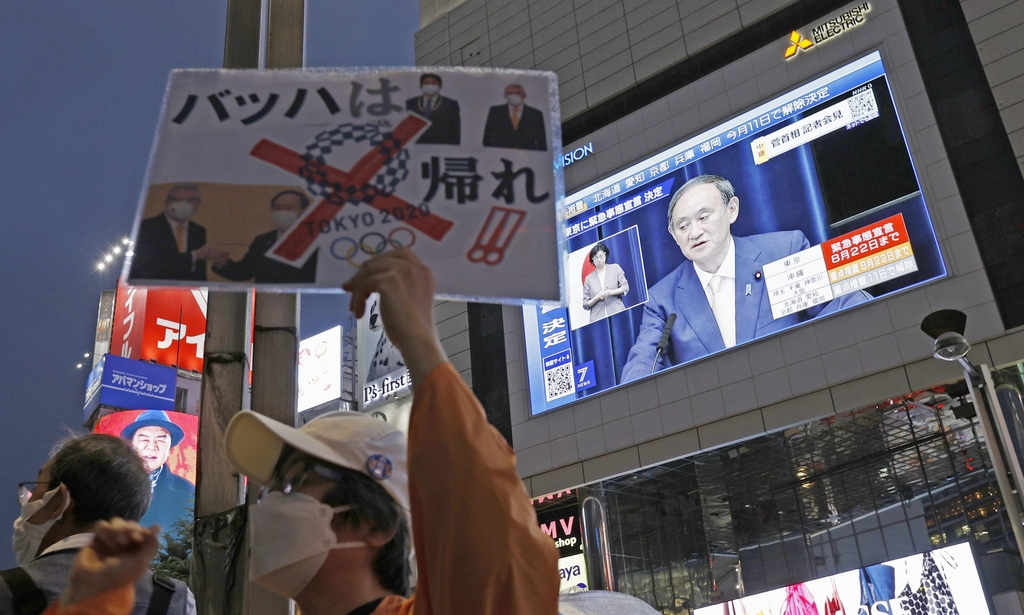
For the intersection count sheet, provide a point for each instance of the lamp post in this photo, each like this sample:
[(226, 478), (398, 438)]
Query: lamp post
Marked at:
[(947, 328)]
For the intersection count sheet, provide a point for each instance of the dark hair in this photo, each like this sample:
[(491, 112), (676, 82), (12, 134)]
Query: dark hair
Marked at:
[(598, 247), (303, 198), (190, 187), (425, 76), (375, 509), (104, 476), (724, 188)]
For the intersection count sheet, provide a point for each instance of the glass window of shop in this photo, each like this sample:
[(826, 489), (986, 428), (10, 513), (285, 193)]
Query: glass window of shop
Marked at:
[(904, 476)]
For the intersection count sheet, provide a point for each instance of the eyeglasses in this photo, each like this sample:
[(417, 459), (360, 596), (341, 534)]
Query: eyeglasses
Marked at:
[(295, 475), (25, 491)]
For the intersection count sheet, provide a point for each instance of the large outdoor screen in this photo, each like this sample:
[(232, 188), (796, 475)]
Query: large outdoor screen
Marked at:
[(940, 581), (803, 207)]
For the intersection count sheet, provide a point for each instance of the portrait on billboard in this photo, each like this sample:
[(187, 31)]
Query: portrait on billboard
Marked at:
[(801, 208), (167, 444), (214, 232), (606, 278)]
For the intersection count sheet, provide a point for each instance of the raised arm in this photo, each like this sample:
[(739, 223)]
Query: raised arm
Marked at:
[(463, 483)]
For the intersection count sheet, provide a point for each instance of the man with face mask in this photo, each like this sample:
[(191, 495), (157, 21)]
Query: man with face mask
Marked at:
[(515, 125), (331, 528), (90, 479), (153, 435), (443, 112), (285, 209), (170, 246)]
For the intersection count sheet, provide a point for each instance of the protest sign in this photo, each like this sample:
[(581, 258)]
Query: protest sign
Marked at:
[(292, 179)]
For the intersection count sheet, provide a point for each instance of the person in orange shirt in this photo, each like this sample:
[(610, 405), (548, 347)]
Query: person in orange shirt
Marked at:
[(329, 530)]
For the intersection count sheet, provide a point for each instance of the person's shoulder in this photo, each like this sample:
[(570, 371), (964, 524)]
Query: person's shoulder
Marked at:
[(268, 239), (195, 226), (667, 284), (411, 102), (776, 239), (148, 223), (177, 483)]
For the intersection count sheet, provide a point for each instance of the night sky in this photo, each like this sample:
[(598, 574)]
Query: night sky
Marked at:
[(80, 88)]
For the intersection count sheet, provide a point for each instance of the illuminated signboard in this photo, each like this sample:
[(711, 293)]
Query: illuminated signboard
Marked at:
[(827, 30), (940, 581), (817, 209), (319, 379), (384, 376)]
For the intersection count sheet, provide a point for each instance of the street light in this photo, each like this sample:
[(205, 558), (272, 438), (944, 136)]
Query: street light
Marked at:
[(947, 328)]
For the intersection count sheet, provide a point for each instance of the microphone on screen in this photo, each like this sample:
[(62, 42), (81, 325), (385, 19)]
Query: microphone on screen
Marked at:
[(666, 334)]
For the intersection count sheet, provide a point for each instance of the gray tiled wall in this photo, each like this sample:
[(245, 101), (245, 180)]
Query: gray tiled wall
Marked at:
[(598, 48), (998, 30)]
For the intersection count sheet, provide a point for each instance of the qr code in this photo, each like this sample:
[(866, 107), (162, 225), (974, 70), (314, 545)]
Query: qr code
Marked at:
[(863, 107), (558, 381)]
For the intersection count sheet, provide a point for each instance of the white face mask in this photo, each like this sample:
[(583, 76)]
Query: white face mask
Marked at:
[(180, 210), (291, 537), (431, 89), (284, 220), (514, 99), (28, 536)]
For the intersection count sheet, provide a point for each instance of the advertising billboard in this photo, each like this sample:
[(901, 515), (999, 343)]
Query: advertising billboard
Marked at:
[(320, 368), (563, 525), (299, 177), (167, 443), (803, 207), (383, 374), (161, 324), (940, 581), (117, 382)]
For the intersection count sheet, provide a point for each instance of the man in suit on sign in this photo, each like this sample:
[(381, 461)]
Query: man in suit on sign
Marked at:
[(443, 112), (514, 125), (169, 245), (718, 295), (285, 209)]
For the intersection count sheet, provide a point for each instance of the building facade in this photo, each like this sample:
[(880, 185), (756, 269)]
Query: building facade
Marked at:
[(833, 445)]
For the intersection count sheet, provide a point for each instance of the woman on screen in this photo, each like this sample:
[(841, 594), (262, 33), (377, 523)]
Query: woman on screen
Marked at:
[(605, 286)]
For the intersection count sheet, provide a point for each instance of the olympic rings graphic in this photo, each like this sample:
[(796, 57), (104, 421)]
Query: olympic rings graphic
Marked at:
[(371, 244)]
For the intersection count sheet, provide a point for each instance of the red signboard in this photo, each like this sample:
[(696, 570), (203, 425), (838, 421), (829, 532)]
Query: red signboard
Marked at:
[(865, 241), (163, 325)]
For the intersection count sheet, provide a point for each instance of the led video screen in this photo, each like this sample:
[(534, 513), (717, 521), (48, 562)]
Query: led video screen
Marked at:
[(803, 207), (940, 581), (167, 442)]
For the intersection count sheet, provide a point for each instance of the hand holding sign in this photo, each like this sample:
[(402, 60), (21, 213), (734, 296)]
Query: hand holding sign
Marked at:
[(406, 289)]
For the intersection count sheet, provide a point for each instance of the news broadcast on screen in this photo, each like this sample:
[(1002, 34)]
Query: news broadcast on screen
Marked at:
[(801, 208)]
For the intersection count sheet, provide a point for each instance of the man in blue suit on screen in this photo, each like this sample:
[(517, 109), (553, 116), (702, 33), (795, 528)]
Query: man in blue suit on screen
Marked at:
[(718, 295)]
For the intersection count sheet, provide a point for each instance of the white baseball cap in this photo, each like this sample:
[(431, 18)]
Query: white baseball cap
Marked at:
[(351, 440)]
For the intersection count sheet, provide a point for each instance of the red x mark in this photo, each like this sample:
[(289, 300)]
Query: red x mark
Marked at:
[(352, 185)]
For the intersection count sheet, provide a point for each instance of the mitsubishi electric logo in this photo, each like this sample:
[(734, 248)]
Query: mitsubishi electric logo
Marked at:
[(826, 30), (797, 42)]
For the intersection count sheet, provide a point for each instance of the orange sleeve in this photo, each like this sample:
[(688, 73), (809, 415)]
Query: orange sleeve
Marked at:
[(479, 548), (118, 601)]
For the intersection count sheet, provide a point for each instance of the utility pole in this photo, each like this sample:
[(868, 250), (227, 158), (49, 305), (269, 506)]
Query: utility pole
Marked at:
[(259, 34)]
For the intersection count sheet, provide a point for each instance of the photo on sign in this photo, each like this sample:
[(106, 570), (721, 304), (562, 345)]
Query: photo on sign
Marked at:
[(167, 442), (801, 208), (299, 177)]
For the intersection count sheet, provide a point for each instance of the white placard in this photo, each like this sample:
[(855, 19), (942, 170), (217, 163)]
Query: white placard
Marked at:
[(293, 178)]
